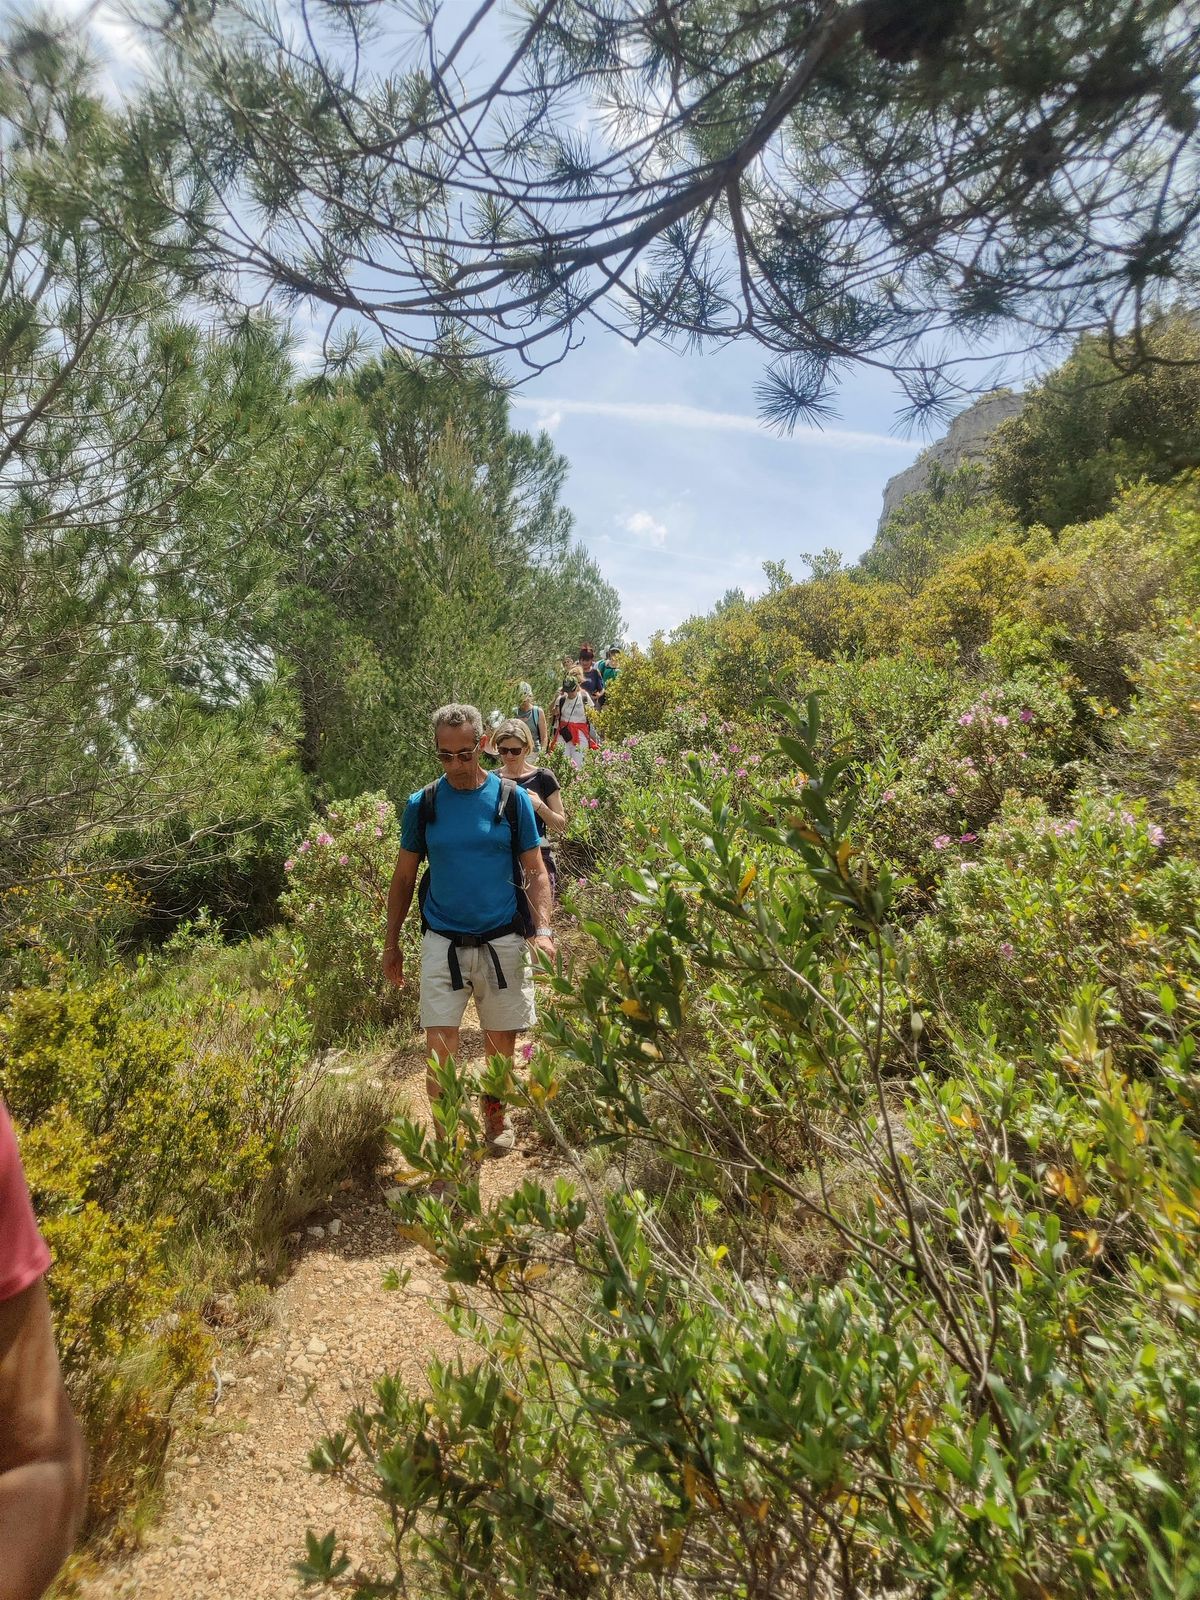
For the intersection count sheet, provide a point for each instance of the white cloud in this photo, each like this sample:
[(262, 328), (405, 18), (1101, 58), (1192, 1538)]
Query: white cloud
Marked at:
[(549, 420), (671, 415), (645, 528)]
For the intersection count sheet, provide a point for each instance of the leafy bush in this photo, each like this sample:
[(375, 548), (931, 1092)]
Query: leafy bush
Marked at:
[(140, 1140), (1160, 739), (336, 900), (1103, 593), (989, 1387), (1093, 425), (1050, 904), (1010, 738)]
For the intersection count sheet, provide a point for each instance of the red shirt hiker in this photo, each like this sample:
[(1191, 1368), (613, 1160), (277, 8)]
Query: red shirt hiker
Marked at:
[(23, 1253), (43, 1465)]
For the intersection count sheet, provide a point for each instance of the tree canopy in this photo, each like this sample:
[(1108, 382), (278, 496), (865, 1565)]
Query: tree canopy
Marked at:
[(916, 187)]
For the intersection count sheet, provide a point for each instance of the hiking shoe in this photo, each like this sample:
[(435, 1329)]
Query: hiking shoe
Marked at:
[(496, 1129)]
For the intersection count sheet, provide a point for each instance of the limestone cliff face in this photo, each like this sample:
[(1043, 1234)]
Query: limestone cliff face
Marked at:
[(966, 441)]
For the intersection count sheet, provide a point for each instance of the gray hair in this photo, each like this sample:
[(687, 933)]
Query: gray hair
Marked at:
[(513, 728), (458, 716)]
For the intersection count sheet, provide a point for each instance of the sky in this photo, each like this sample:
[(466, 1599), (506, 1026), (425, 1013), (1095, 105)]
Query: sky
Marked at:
[(680, 494), (677, 492)]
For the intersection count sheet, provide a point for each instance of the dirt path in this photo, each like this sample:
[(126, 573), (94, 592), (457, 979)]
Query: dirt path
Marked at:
[(239, 1498)]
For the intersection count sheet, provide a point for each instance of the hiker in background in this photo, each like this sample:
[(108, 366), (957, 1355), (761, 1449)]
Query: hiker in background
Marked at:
[(611, 665), (514, 745), (591, 678), (532, 716), (572, 713), (480, 836), (43, 1462)]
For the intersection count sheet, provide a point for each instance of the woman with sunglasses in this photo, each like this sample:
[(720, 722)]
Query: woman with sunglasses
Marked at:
[(513, 743)]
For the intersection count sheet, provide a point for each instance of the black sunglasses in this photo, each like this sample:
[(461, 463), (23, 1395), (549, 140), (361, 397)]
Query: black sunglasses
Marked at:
[(511, 749)]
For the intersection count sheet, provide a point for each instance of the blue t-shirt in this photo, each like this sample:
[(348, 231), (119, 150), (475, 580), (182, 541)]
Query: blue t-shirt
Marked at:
[(470, 856)]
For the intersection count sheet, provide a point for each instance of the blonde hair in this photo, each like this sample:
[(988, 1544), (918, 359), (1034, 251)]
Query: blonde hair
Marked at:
[(513, 728)]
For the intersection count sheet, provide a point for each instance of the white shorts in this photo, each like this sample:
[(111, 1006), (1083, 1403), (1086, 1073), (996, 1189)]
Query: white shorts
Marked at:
[(510, 1009)]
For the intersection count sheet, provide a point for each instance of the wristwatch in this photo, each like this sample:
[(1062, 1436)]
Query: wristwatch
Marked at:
[(543, 933)]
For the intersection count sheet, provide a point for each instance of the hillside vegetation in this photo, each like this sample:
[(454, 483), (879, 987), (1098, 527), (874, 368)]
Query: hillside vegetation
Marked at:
[(872, 1268), (874, 1075)]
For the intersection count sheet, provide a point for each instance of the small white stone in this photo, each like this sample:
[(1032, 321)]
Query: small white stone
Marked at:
[(335, 1227), (315, 1232), (317, 1347)]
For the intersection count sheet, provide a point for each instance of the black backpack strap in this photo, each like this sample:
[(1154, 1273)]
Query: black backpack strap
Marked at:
[(426, 813)]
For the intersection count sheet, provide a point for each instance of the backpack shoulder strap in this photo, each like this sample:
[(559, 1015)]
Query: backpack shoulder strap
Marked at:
[(507, 809), (426, 813)]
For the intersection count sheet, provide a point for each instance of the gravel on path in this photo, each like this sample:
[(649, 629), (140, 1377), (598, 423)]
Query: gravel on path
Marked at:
[(238, 1499)]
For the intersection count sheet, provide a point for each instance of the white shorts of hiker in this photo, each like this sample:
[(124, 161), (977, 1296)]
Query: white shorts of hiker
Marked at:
[(509, 1008)]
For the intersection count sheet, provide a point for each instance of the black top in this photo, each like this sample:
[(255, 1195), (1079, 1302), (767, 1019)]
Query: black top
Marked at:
[(593, 682), (544, 784)]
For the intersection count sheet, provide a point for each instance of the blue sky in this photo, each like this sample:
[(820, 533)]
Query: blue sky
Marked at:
[(677, 490)]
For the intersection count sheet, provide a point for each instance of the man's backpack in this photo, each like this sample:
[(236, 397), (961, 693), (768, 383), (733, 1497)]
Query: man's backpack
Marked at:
[(506, 811)]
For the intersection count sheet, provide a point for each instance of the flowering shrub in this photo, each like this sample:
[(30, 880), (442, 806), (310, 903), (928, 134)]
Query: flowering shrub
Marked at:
[(1012, 738), (336, 899), (1048, 903)]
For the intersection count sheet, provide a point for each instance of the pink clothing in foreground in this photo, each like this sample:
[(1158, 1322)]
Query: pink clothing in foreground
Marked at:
[(23, 1253)]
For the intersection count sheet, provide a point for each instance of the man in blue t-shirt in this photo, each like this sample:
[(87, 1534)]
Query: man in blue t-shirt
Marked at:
[(474, 942)]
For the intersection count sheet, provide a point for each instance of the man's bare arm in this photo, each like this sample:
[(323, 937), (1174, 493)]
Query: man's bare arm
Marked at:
[(400, 895), (43, 1462), (537, 887)]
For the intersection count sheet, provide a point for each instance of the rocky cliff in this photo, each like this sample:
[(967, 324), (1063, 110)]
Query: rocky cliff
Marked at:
[(966, 441)]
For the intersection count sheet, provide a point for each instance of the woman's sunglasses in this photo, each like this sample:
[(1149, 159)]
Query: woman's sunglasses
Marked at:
[(511, 749)]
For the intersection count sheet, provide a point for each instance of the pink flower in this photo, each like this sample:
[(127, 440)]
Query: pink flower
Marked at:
[(967, 718), (359, 826), (379, 833), (1026, 714), (1007, 952), (942, 841), (324, 838), (1128, 818), (660, 761), (735, 749), (289, 865), (1002, 722), (343, 861), (888, 796), (951, 790), (526, 1052), (305, 846), (968, 838), (753, 761), (742, 773), (1155, 834)]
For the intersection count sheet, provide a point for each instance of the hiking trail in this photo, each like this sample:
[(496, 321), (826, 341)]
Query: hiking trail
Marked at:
[(238, 1494)]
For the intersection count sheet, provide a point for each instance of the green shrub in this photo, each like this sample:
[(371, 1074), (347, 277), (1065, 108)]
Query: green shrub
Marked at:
[(336, 900), (1009, 738), (141, 1142), (989, 1389), (1160, 739), (1052, 903)]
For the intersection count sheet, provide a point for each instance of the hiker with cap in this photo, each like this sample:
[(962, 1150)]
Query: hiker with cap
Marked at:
[(532, 716), (485, 902)]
